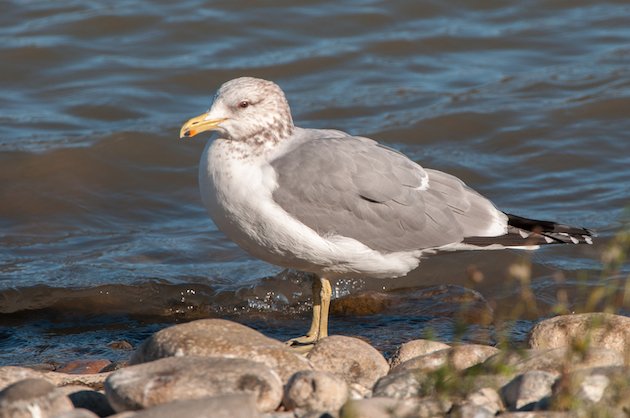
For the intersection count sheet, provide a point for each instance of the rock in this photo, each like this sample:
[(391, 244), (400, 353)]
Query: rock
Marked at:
[(12, 374), (406, 384), (315, 391), (83, 366), (537, 414), (470, 410), (597, 389), (87, 398), (380, 407), (583, 330), (415, 348), (458, 357), (359, 392), (220, 338), (525, 391), (283, 414), (552, 360), (486, 398), (77, 413), (224, 406), (353, 360), (32, 397), (120, 345), (184, 378), (95, 380)]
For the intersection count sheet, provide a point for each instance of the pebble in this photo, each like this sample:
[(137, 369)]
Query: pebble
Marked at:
[(349, 358), (315, 391), (382, 407), (527, 390), (30, 398), (87, 398), (184, 378), (220, 338), (415, 348), (602, 387), (585, 330), (459, 357)]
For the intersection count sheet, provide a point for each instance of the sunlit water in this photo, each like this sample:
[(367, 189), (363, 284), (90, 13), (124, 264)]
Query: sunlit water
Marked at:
[(102, 231)]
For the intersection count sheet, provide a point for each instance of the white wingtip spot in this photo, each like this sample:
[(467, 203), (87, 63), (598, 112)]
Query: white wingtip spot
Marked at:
[(588, 239), (548, 240), (575, 240), (523, 234)]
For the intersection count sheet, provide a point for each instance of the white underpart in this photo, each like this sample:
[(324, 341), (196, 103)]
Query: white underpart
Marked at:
[(237, 192)]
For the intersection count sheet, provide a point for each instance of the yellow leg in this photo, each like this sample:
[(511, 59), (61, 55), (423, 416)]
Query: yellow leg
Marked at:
[(322, 291)]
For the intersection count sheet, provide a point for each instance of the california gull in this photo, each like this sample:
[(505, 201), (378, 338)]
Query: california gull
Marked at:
[(335, 204)]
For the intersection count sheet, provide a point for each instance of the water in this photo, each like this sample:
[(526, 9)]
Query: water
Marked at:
[(102, 233)]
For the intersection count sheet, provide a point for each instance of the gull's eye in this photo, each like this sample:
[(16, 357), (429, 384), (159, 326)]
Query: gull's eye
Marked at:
[(243, 104)]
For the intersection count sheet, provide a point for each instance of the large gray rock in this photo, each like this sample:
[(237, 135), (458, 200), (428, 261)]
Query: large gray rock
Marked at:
[(415, 348), (459, 357), (584, 330), (380, 407), (78, 413), (527, 390), (33, 397), (220, 338), (12, 374), (224, 406), (184, 378), (353, 360), (552, 360), (315, 391)]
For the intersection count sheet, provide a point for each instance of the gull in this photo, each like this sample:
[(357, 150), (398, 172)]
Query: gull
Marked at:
[(338, 205)]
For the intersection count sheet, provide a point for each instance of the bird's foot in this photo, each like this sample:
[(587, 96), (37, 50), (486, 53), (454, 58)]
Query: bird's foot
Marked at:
[(303, 344)]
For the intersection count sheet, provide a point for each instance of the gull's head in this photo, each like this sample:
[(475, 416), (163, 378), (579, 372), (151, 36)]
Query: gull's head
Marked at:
[(245, 109)]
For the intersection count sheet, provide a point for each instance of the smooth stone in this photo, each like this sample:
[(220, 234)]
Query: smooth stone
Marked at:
[(185, 378), (552, 360), (486, 398), (86, 398), (353, 360), (220, 338), (415, 348), (585, 330), (12, 374), (459, 357), (407, 384), (78, 413), (597, 389), (33, 397), (224, 406), (381, 407), (315, 391), (83, 366), (527, 390)]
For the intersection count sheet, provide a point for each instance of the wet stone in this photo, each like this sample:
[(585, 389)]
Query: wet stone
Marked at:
[(83, 366), (184, 378), (526, 391), (583, 330), (220, 338), (315, 391), (415, 348), (353, 360), (20, 399)]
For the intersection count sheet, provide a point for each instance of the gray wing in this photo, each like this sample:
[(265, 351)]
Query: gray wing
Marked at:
[(354, 187)]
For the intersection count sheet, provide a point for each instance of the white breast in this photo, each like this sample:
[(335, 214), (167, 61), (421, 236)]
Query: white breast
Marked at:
[(237, 192)]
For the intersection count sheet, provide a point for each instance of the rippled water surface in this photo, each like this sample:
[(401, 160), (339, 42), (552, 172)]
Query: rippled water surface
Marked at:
[(102, 233)]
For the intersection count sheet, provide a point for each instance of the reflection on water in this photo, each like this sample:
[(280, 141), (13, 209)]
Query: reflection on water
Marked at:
[(100, 213)]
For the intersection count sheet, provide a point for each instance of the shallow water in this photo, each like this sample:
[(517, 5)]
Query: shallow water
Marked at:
[(102, 232)]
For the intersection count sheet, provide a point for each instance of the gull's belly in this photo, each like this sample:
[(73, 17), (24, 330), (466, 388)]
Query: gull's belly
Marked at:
[(238, 196)]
